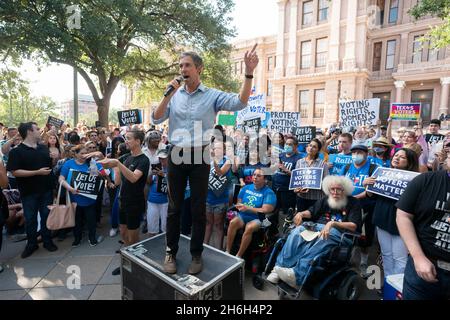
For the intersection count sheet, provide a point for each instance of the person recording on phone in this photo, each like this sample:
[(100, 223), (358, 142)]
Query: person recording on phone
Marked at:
[(191, 110)]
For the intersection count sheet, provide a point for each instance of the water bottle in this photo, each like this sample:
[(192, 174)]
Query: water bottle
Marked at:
[(93, 170)]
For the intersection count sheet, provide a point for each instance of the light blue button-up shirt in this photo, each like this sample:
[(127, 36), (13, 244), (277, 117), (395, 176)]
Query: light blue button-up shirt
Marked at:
[(192, 115)]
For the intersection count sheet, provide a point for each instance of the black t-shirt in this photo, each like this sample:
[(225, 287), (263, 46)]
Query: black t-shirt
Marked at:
[(132, 194), (427, 198), (322, 213), (27, 158), (434, 138), (385, 214)]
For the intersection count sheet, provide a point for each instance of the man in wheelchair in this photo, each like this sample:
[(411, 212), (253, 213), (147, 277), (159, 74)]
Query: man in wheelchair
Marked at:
[(253, 199), (330, 217)]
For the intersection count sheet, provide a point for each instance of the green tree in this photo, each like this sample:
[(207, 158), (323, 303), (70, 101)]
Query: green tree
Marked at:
[(439, 36), (111, 40)]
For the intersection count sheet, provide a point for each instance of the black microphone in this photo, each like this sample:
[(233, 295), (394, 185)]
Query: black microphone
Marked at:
[(170, 89)]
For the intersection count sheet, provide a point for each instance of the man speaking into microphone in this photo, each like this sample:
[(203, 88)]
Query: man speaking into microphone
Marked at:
[(192, 109)]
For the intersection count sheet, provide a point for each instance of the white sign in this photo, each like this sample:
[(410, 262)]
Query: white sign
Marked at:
[(358, 113), (256, 108), (283, 121)]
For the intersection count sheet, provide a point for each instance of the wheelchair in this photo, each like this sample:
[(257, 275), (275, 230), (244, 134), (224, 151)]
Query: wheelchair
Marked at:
[(330, 274), (260, 247)]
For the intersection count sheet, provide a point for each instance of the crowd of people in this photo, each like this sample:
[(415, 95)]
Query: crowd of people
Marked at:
[(134, 165)]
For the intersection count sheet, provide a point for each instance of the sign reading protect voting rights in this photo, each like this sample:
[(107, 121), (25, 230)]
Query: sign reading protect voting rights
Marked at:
[(391, 183), (310, 178), (283, 121)]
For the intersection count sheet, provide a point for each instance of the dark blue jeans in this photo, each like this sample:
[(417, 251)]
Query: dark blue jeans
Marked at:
[(415, 288), (89, 214), (32, 204)]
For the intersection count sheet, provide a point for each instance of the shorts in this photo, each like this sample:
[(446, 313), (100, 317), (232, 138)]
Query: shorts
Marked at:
[(220, 208), (248, 217), (131, 216)]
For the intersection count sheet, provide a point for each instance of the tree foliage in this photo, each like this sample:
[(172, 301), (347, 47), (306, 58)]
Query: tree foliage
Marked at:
[(115, 39)]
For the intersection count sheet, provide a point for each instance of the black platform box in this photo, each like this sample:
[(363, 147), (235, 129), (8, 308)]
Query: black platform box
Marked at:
[(143, 278)]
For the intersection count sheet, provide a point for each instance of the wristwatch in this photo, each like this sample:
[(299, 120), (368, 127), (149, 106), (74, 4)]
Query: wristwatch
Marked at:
[(249, 76)]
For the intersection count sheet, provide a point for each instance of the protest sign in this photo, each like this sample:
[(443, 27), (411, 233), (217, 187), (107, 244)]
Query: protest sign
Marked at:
[(405, 111), (256, 108), (339, 161), (391, 183), (252, 125), (86, 184), (310, 178), (52, 121), (128, 117), (283, 121), (217, 184), (358, 113), (304, 134)]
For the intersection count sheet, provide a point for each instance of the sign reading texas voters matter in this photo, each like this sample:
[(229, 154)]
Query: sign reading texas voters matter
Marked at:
[(283, 121), (358, 113), (86, 184), (405, 111), (128, 117), (391, 183), (310, 178)]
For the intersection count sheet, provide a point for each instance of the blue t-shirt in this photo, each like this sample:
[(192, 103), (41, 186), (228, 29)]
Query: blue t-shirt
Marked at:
[(246, 172), (212, 199), (257, 198), (154, 196), (357, 176), (280, 180), (81, 200), (380, 162)]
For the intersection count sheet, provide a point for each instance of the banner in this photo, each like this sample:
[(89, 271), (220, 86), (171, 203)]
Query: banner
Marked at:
[(405, 111), (256, 108), (52, 121), (128, 117), (227, 120), (310, 178), (391, 183), (252, 125), (358, 113), (304, 134), (86, 184), (339, 161), (283, 121)]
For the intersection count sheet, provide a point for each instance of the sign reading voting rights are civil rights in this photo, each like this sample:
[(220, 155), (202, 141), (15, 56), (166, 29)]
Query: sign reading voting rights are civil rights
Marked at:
[(283, 121), (358, 113), (86, 184), (391, 183), (339, 161), (304, 134), (405, 111), (52, 121), (309, 178), (128, 117)]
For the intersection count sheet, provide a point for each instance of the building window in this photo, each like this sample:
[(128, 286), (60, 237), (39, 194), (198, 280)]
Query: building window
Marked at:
[(393, 11), (433, 54), (305, 62), (390, 54), (417, 50), (270, 63), (269, 88), (385, 105), (321, 52), (323, 10), (426, 98), (307, 13), (376, 56), (303, 101), (319, 103)]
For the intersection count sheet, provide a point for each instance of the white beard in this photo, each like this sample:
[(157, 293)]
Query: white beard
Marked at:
[(337, 204)]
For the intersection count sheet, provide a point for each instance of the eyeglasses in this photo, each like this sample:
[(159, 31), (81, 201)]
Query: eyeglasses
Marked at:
[(336, 190)]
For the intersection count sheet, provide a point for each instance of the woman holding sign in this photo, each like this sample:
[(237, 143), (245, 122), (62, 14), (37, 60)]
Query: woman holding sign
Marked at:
[(393, 249), (308, 197), (70, 172)]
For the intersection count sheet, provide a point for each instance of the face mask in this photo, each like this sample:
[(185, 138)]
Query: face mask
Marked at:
[(378, 150), (357, 158), (288, 149)]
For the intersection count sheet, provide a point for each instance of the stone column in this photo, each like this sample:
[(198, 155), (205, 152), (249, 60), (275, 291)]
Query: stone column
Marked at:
[(399, 86), (333, 54), (445, 90), (350, 36), (403, 49), (291, 68), (279, 70)]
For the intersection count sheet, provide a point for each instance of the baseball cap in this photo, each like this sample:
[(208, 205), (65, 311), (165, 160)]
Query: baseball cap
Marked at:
[(359, 147)]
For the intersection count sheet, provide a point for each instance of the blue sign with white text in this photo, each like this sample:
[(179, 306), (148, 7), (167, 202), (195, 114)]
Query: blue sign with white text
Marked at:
[(309, 178), (391, 183), (339, 161)]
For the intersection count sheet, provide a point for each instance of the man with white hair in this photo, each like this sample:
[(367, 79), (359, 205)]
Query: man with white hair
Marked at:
[(336, 213)]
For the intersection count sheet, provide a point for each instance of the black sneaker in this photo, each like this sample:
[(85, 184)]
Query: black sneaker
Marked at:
[(50, 247), (76, 243), (29, 251), (116, 271)]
